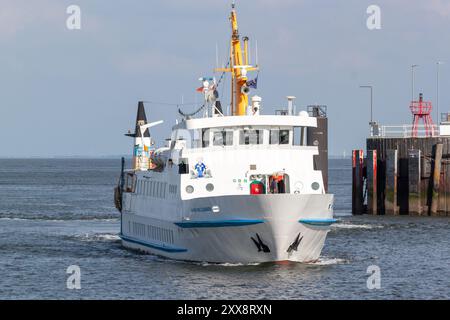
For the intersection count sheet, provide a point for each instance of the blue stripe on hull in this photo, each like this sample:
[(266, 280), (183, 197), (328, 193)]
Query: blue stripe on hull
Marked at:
[(318, 222), (218, 223), (152, 245)]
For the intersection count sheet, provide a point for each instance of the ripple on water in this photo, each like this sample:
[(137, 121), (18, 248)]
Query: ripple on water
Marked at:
[(356, 226), (98, 237), (325, 261)]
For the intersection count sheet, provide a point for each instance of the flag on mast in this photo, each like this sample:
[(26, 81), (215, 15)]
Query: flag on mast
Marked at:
[(253, 83)]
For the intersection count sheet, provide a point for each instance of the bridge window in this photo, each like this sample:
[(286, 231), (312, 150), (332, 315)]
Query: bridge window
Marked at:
[(300, 136), (223, 138), (251, 137), (279, 136), (205, 138)]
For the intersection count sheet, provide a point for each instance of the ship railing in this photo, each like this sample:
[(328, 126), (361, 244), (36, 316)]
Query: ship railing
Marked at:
[(317, 111), (402, 131)]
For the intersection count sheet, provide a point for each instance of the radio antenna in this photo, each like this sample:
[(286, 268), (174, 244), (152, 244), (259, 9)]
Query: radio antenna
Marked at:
[(256, 52), (217, 55)]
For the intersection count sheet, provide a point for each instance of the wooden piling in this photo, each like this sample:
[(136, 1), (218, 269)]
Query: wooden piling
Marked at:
[(357, 182), (436, 179), (372, 193), (444, 193), (414, 179), (420, 184), (390, 201)]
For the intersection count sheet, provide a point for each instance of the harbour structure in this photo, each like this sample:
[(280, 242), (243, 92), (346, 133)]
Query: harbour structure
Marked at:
[(241, 187), (406, 169)]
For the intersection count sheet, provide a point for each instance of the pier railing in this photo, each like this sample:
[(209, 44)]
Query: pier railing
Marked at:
[(401, 131)]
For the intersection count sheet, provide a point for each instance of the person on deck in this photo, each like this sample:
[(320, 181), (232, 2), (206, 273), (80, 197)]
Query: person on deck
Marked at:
[(273, 184)]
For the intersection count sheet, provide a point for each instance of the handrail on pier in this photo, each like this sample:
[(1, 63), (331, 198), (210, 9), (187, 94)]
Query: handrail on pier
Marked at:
[(401, 131)]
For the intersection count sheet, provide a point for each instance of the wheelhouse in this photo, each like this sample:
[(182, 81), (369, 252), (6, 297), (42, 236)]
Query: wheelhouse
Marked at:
[(270, 131)]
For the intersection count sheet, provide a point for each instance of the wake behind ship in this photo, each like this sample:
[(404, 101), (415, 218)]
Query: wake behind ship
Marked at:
[(236, 188)]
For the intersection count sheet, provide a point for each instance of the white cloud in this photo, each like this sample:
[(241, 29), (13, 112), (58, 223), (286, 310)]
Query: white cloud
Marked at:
[(420, 7), (441, 7), (18, 15)]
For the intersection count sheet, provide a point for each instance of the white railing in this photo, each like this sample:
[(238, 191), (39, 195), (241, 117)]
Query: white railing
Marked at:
[(401, 131)]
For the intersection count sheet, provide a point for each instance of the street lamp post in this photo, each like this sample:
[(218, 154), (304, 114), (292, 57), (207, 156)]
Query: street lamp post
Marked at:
[(412, 80), (437, 90), (371, 102)]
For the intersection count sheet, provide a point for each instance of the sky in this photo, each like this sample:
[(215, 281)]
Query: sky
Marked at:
[(75, 92)]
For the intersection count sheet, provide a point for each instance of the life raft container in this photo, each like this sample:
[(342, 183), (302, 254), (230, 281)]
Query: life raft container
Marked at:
[(257, 187)]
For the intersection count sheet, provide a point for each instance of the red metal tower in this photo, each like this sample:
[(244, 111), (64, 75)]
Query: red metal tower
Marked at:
[(422, 110)]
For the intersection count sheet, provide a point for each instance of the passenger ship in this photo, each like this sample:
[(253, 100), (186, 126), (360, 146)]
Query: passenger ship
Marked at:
[(239, 188)]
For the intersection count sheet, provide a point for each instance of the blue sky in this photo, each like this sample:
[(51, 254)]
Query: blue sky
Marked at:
[(74, 93)]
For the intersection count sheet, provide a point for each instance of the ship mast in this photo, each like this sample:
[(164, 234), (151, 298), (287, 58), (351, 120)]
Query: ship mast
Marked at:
[(238, 69)]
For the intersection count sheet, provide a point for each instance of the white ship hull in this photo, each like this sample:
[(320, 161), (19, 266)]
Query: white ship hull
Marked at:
[(220, 229)]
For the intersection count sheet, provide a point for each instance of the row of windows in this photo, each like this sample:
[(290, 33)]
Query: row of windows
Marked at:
[(251, 137), (151, 232), (276, 136), (156, 189)]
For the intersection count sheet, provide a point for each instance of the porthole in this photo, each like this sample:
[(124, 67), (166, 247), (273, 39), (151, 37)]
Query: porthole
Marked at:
[(189, 189), (315, 186), (209, 187)]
